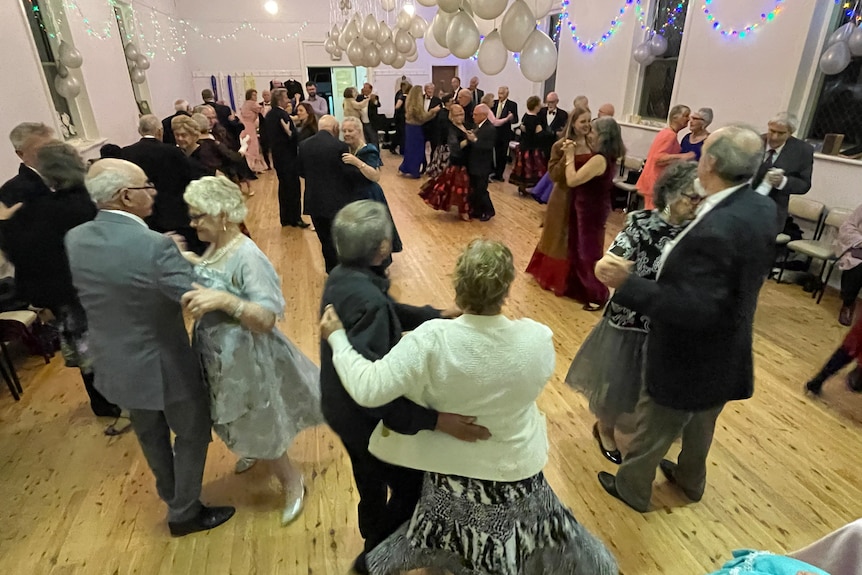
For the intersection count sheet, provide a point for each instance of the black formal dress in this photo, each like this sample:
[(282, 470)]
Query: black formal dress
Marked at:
[(504, 135), (797, 161), (284, 152), (33, 242), (168, 168), (330, 184), (480, 164), (374, 323)]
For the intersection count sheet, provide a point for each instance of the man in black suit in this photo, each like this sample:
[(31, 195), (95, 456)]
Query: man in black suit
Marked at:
[(787, 164), (226, 119), (265, 107), (330, 184), (284, 142), (477, 93), (480, 163), (181, 108), (553, 121), (701, 307), (169, 170), (508, 110), (465, 100), (429, 129)]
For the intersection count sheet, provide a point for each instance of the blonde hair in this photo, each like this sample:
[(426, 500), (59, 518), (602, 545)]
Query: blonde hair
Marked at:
[(414, 107), (483, 274), (185, 124), (203, 123), (217, 195)]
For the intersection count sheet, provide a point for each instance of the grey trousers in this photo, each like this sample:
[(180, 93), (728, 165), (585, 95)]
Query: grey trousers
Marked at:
[(179, 468), (657, 428)]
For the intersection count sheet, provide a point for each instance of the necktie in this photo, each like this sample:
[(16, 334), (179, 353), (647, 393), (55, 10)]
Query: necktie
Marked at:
[(500, 109), (476, 97), (770, 157)]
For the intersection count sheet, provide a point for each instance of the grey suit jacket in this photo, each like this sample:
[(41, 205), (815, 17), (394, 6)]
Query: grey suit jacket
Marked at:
[(130, 281), (797, 161)]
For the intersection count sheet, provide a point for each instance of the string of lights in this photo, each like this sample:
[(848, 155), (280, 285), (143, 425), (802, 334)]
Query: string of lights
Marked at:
[(744, 32), (590, 45), (852, 10), (670, 20)]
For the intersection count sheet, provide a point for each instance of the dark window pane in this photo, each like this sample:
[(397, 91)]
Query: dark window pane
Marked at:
[(657, 87)]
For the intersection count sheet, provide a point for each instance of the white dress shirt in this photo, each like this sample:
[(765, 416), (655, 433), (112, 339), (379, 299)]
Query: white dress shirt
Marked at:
[(489, 367), (552, 115), (129, 215), (427, 103), (765, 187)]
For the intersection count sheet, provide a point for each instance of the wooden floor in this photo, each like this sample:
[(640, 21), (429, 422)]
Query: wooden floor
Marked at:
[(783, 471)]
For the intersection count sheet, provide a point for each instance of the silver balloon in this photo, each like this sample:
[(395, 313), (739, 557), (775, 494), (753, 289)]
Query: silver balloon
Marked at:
[(835, 59), (62, 71), (541, 7), (489, 9), (356, 52), (330, 46), (131, 51), (657, 45), (418, 25), (538, 57), (334, 33), (370, 28), (403, 20), (342, 41), (337, 54), (450, 6), (404, 41), (842, 34), (388, 52), (399, 61), (68, 87), (138, 76), (383, 33), (433, 47), (351, 32), (492, 54), (642, 53), (372, 56), (69, 55), (412, 57), (440, 25), (428, 2), (142, 62), (388, 5), (648, 61), (518, 24), (462, 38), (855, 41)]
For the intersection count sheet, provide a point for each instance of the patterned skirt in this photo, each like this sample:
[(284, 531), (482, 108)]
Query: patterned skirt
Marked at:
[(529, 167), (439, 161), (474, 527), (449, 189)]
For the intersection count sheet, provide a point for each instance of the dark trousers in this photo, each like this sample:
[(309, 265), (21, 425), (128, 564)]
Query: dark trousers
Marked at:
[(178, 468), (289, 190), (370, 134), (264, 151), (100, 406), (323, 227), (501, 157), (479, 199), (851, 284)]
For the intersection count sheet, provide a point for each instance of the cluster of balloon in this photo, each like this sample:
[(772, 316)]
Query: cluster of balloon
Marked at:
[(647, 51), (138, 63), (69, 57), (843, 44), (371, 43), (454, 30)]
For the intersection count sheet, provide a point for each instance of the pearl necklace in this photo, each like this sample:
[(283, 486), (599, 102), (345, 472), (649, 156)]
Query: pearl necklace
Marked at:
[(220, 253)]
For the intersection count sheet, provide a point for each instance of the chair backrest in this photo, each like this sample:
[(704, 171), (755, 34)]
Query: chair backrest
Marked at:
[(808, 210), (633, 163), (837, 216)]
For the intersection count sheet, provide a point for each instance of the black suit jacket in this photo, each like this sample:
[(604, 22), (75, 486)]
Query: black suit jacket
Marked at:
[(701, 307), (797, 161), (478, 94), (233, 127), (430, 129), (504, 132), (281, 145), (480, 160), (558, 123), (167, 131), (374, 323), (330, 184), (168, 168)]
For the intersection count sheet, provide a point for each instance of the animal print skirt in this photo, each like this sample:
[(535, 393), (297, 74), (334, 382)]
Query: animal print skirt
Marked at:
[(472, 527)]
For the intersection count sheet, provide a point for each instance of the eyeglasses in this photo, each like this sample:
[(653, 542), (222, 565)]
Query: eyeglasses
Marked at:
[(693, 198), (147, 186)]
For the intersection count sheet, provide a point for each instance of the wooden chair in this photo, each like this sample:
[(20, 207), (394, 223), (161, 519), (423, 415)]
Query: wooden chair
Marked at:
[(17, 326)]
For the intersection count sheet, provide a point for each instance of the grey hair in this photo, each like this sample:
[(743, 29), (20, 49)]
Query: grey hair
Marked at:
[(279, 95), (217, 195), (610, 138), (202, 121), (356, 122), (200, 109), (706, 114), (736, 152), (149, 125), (26, 130), (785, 119), (483, 274), (60, 165), (181, 106), (676, 179), (677, 111), (105, 184), (359, 229)]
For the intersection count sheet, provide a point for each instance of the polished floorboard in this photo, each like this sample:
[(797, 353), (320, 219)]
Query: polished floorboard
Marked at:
[(783, 471)]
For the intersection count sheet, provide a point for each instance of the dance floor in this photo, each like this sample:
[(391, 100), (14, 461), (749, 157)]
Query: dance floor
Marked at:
[(784, 469)]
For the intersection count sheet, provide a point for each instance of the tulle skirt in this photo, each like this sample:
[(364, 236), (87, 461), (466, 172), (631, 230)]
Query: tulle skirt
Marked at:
[(449, 189), (528, 169), (542, 190)]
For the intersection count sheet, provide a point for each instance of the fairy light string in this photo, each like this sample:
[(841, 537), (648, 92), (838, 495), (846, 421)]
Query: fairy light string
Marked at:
[(745, 31)]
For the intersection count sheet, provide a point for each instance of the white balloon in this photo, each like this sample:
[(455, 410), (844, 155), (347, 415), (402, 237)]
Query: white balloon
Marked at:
[(842, 34), (370, 28), (855, 42), (462, 38), (413, 49), (642, 53), (68, 87), (388, 5), (131, 51), (492, 54), (403, 20), (330, 46), (440, 25), (351, 31), (433, 47), (450, 6), (334, 33), (418, 25), (403, 41), (489, 9), (337, 54), (143, 62), (388, 52), (62, 70), (657, 45), (541, 7), (649, 61), (412, 57), (355, 52), (399, 61), (427, 2), (383, 33), (835, 59), (518, 24), (372, 56), (70, 56), (138, 76), (538, 57)]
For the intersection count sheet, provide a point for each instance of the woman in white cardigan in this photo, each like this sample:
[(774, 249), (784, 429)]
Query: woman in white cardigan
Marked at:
[(485, 507)]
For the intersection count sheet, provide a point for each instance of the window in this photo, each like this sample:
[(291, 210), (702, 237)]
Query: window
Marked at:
[(838, 108), (553, 23), (658, 77), (126, 24)]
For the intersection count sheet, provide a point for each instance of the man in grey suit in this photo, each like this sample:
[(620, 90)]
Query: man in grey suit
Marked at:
[(130, 281)]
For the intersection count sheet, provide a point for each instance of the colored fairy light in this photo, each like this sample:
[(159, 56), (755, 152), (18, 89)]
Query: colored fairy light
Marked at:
[(745, 31), (590, 45)]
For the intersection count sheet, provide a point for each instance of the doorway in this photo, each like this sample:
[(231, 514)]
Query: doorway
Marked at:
[(331, 83), (442, 76)]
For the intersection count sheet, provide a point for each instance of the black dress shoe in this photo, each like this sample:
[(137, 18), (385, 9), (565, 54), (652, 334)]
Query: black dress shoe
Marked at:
[(668, 468), (208, 518), (854, 381), (485, 217), (814, 387), (301, 225), (360, 565), (612, 456), (609, 483)]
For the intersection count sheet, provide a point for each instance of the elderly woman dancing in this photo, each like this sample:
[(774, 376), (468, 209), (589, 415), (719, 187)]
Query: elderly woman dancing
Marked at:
[(664, 150), (485, 507), (263, 390)]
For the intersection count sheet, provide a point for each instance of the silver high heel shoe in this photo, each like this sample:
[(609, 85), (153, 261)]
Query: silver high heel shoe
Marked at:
[(293, 503)]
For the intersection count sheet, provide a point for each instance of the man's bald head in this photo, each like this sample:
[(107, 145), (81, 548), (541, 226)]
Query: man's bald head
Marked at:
[(607, 111), (474, 83), (329, 124), (730, 157)]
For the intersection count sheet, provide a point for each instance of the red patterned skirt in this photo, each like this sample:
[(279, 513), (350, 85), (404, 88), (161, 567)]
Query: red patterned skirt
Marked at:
[(449, 189), (529, 167)]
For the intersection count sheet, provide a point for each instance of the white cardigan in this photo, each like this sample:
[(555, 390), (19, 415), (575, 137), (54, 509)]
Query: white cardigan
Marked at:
[(489, 367)]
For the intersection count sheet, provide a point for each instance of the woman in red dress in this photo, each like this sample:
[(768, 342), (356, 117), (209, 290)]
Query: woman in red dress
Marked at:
[(451, 188), (582, 168)]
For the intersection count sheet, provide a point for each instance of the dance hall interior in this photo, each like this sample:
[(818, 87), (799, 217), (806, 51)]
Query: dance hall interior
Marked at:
[(467, 287)]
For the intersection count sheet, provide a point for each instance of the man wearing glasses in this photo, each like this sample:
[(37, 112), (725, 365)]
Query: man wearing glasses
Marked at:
[(553, 121)]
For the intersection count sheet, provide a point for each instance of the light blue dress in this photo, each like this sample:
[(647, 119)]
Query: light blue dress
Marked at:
[(747, 562), (263, 390)]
